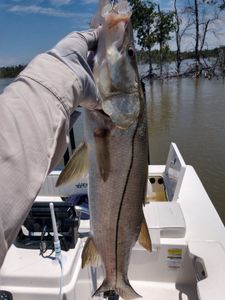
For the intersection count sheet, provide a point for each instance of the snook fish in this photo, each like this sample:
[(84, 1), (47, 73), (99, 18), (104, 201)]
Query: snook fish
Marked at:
[(116, 148)]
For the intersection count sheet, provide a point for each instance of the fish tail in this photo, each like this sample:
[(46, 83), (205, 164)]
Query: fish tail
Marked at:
[(123, 289), (104, 287)]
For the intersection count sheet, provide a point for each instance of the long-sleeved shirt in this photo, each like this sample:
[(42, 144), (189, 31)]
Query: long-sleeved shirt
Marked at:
[(34, 121)]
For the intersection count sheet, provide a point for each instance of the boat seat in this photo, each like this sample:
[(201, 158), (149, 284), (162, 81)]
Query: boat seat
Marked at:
[(164, 220)]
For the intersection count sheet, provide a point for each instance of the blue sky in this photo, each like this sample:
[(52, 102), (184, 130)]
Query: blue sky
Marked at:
[(29, 27)]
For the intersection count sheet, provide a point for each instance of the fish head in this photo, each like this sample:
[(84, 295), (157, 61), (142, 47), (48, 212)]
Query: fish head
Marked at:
[(115, 67)]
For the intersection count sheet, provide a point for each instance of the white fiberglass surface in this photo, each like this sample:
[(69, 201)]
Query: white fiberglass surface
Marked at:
[(163, 274)]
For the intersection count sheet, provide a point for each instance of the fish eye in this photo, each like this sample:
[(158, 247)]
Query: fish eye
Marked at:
[(131, 52)]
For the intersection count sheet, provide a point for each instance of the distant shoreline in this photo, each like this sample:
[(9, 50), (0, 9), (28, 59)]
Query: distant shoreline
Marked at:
[(11, 72)]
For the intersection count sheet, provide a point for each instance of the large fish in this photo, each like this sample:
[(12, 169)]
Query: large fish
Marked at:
[(116, 147)]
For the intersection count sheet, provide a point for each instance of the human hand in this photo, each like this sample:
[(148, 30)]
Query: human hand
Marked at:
[(73, 51)]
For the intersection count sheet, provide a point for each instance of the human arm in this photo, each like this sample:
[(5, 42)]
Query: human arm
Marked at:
[(34, 122)]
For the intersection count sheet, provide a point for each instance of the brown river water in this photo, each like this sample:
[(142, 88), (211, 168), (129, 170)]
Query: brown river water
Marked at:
[(190, 113)]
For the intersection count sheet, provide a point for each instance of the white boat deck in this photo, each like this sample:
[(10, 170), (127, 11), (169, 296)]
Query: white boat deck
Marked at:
[(187, 262)]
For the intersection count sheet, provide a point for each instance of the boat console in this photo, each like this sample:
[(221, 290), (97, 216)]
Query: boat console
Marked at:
[(5, 295), (37, 231)]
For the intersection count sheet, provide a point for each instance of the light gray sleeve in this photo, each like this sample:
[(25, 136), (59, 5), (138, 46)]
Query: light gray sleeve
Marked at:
[(34, 120)]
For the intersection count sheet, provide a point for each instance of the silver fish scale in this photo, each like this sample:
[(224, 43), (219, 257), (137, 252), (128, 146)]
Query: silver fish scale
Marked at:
[(116, 205)]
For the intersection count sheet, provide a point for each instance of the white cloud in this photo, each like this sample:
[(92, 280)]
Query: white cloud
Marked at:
[(60, 2), (35, 9), (90, 1)]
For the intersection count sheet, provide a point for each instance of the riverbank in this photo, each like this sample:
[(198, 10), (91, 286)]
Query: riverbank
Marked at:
[(10, 72), (207, 69)]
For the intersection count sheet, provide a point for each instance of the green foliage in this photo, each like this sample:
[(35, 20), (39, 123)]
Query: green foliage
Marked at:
[(143, 19), (171, 55), (221, 4), (152, 25), (164, 26), (10, 72)]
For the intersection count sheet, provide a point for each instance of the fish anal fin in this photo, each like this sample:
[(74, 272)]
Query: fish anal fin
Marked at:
[(144, 237), (102, 152), (89, 254), (77, 166)]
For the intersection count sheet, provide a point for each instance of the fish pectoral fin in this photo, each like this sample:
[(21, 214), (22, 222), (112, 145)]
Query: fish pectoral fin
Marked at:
[(102, 152), (77, 166), (89, 254), (144, 237)]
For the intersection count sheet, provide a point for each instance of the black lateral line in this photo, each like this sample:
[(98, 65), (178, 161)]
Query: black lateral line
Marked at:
[(122, 199)]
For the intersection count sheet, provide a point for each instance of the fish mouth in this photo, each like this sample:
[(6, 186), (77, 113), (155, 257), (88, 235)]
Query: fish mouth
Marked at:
[(123, 109)]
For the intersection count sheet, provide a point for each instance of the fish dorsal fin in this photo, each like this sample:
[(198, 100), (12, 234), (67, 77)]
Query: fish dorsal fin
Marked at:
[(89, 254), (144, 237), (102, 152), (77, 166)]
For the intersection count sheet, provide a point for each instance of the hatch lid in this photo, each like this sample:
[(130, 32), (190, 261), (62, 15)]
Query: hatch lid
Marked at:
[(174, 173)]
